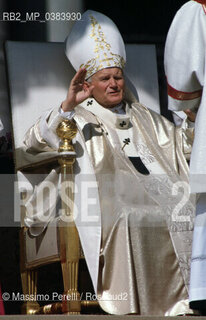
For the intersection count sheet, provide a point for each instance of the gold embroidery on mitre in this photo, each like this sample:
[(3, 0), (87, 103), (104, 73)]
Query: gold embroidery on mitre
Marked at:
[(104, 57)]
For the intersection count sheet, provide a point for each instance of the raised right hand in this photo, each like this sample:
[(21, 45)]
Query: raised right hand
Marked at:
[(79, 91)]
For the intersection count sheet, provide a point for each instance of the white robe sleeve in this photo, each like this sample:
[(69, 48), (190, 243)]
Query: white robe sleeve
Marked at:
[(42, 135), (48, 126)]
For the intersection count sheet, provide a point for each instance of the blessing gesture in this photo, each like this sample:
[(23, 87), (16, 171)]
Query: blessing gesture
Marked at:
[(79, 90)]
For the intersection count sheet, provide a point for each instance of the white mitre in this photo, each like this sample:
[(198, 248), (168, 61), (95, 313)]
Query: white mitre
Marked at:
[(95, 43)]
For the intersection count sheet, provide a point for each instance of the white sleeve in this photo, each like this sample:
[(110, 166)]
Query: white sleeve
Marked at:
[(48, 125), (43, 133), (185, 57), (68, 115), (57, 116)]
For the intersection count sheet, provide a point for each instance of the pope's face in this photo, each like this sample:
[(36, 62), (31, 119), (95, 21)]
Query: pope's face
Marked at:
[(108, 87)]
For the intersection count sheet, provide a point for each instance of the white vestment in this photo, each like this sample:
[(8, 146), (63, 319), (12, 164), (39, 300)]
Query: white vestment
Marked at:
[(185, 63), (137, 236)]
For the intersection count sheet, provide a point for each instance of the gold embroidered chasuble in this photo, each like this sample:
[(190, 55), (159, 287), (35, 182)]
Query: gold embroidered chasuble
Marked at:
[(145, 242)]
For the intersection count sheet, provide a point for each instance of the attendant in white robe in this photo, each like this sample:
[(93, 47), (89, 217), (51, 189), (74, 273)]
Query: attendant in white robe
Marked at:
[(138, 253), (185, 62)]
